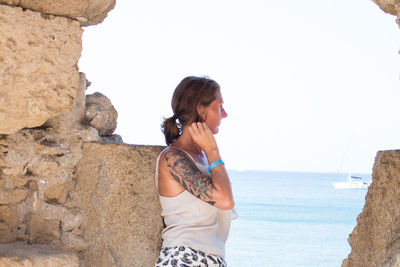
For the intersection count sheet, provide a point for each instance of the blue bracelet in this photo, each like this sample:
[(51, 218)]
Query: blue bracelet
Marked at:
[(215, 163)]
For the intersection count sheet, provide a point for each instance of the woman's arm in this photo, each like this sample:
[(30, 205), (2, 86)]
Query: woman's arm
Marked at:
[(184, 171), (215, 190)]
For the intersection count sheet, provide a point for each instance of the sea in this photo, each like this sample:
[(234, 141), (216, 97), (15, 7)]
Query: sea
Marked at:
[(291, 219)]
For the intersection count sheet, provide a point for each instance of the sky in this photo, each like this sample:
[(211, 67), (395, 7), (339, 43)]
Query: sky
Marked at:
[(309, 86)]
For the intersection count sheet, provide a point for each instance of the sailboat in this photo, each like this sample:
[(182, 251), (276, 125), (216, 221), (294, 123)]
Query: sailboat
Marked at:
[(352, 182)]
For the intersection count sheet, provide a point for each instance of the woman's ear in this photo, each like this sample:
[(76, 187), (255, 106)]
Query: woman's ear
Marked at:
[(201, 110)]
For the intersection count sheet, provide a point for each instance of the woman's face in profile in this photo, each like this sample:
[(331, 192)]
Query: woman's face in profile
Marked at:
[(214, 113)]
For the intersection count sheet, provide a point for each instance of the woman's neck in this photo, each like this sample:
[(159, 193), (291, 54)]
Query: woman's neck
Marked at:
[(186, 142)]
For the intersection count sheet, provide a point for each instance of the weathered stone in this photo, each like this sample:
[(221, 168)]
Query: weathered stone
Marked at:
[(73, 123), (3, 142), (60, 149), (42, 230), (20, 181), (44, 167), (389, 6), (88, 12), (71, 221), (9, 220), (39, 76), (20, 153), (112, 139), (106, 213), (64, 123), (106, 190), (101, 114), (8, 217), (88, 134), (8, 235), (12, 197), (50, 150), (375, 240), (59, 192), (12, 171), (121, 211), (73, 242), (69, 160), (394, 262), (10, 2), (35, 255)]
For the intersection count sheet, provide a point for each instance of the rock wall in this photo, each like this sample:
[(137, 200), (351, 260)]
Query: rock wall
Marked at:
[(20, 254), (391, 7), (95, 199), (39, 77), (375, 240), (71, 193), (87, 12), (120, 211)]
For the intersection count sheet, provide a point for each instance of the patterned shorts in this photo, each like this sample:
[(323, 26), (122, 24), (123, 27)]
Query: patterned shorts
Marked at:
[(187, 257)]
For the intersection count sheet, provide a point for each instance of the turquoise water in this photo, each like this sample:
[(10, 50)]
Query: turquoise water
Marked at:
[(291, 219)]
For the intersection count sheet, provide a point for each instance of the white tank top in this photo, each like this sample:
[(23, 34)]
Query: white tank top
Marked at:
[(194, 223)]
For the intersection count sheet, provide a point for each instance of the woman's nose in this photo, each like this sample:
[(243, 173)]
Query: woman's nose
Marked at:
[(223, 113)]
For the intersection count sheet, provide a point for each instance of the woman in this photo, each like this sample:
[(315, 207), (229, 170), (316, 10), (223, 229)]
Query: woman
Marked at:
[(193, 185)]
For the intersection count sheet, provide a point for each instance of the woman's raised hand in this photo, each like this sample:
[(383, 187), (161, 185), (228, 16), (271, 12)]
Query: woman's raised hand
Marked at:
[(203, 137)]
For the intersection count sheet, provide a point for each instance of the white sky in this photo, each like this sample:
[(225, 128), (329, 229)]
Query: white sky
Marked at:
[(308, 85)]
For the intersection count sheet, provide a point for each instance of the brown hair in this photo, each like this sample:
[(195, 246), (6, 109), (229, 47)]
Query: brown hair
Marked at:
[(190, 93)]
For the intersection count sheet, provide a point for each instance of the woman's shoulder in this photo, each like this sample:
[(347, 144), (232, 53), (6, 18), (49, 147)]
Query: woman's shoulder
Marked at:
[(169, 150), (174, 153), (168, 162), (175, 157)]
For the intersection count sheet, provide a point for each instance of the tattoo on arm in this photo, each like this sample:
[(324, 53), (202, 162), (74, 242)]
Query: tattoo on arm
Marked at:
[(187, 174)]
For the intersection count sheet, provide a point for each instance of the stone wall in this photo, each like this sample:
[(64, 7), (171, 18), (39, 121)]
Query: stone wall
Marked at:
[(86, 12), (95, 199), (71, 193), (39, 77), (120, 211), (40, 45), (375, 240), (391, 7), (21, 254)]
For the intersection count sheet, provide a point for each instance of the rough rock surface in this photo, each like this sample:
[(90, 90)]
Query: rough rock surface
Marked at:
[(36, 176), (391, 7), (59, 190), (116, 193), (388, 6), (87, 12), (74, 121), (101, 114), (375, 240), (95, 199), (39, 76), (20, 254)]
